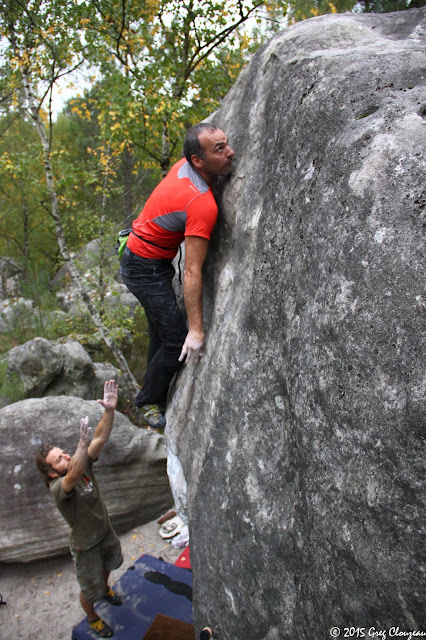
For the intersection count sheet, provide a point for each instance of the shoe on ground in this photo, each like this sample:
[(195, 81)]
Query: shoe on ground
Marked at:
[(101, 628), (111, 597), (167, 516), (171, 528), (153, 415)]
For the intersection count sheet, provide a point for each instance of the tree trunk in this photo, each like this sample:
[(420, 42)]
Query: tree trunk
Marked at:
[(128, 162), (25, 218), (165, 152), (60, 236), (101, 281)]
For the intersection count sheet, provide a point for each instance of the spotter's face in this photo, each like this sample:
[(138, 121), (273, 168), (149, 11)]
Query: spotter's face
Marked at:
[(59, 460)]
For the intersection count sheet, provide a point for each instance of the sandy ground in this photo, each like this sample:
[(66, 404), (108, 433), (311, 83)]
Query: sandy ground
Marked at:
[(42, 596)]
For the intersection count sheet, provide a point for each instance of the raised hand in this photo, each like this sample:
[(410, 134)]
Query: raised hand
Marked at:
[(110, 395), (85, 431)]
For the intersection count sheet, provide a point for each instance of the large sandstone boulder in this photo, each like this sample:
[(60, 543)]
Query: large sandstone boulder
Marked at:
[(300, 430), (131, 471)]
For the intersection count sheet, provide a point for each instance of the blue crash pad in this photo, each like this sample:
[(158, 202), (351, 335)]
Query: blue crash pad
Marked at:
[(165, 589)]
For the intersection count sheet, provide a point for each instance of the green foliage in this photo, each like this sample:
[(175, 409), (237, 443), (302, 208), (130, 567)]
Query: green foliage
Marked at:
[(96, 178), (303, 9), (121, 323), (11, 389), (385, 6), (176, 62), (163, 64), (136, 345), (19, 326), (26, 324), (43, 319), (25, 230)]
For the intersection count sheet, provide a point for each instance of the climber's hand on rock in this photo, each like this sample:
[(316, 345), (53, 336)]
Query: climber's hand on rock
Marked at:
[(192, 346)]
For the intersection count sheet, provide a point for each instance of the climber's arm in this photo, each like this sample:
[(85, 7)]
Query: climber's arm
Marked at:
[(195, 255), (78, 461), (103, 430)]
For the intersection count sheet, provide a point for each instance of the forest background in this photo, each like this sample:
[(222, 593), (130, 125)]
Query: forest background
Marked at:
[(155, 67)]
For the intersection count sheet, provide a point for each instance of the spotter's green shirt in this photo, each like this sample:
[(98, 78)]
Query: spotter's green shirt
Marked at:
[(83, 509)]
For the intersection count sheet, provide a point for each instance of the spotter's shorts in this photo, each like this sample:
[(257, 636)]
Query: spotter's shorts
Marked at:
[(91, 564)]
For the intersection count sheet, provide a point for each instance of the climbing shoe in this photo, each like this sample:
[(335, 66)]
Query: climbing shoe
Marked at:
[(101, 628), (153, 415), (111, 597)]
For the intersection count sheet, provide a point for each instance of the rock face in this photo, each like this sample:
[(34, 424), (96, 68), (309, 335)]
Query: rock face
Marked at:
[(300, 431), (131, 472)]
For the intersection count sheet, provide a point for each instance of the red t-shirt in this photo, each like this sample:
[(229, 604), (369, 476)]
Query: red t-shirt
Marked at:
[(181, 205)]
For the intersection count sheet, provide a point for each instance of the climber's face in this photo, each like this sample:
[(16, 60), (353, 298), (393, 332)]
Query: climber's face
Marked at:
[(217, 156), (59, 460)]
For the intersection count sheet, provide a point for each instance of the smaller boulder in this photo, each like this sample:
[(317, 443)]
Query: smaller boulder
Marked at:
[(35, 364), (41, 368)]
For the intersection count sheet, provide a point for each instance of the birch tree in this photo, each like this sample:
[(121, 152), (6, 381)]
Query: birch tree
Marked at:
[(44, 45)]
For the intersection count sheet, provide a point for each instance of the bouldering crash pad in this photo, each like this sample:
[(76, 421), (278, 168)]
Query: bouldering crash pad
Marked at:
[(148, 588), (184, 559)]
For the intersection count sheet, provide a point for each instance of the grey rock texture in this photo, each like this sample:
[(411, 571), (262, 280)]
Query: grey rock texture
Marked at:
[(131, 472), (77, 376), (10, 278), (45, 368), (105, 371), (35, 363), (301, 430)]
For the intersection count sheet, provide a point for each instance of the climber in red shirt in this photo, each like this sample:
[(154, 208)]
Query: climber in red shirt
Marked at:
[(181, 207)]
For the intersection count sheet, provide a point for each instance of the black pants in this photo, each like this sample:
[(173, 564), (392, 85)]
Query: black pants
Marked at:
[(151, 282)]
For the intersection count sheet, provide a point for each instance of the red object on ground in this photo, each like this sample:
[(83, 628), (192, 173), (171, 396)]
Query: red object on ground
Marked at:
[(184, 561)]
